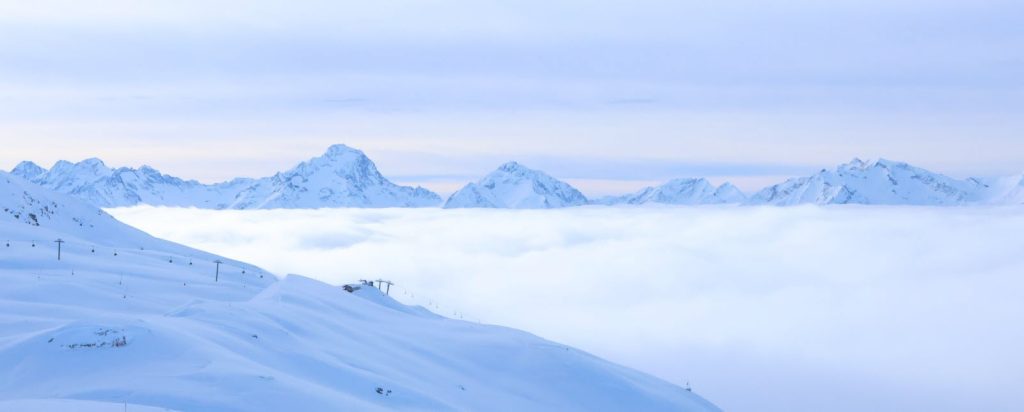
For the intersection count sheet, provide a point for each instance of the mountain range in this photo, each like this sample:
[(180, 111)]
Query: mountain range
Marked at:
[(886, 182), (346, 177), (341, 177)]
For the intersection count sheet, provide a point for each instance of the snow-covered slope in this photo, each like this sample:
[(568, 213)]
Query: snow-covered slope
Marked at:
[(45, 216), (342, 177), (128, 320), (880, 182), (1007, 190), (680, 192), (514, 186)]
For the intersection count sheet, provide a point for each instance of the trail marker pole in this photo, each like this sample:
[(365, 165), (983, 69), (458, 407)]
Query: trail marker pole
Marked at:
[(217, 276), (59, 242)]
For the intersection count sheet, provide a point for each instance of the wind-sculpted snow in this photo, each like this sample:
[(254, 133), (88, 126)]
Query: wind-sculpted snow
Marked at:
[(125, 320), (514, 186), (342, 177), (804, 308)]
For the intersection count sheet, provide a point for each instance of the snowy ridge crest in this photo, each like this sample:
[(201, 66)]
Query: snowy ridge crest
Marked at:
[(514, 186), (880, 182), (680, 192), (342, 177), (346, 177)]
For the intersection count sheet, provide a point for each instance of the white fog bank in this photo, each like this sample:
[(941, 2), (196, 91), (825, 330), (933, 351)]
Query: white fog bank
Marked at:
[(785, 309)]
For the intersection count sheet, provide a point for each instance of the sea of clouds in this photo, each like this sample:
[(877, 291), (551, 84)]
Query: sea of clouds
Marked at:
[(758, 308)]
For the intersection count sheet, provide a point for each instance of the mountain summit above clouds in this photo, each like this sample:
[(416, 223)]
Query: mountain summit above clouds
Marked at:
[(680, 192), (881, 182), (514, 186), (342, 177)]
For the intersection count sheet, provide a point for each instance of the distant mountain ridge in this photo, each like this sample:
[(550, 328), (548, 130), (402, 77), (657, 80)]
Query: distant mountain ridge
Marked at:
[(680, 192), (342, 177), (881, 182), (346, 177)]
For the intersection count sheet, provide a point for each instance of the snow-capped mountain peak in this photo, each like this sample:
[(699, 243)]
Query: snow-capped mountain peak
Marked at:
[(881, 181), (685, 191), (27, 170), (515, 186), (341, 177), (514, 167), (339, 149)]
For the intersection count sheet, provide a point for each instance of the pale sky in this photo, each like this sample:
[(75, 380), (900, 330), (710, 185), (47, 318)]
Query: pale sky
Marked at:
[(607, 95)]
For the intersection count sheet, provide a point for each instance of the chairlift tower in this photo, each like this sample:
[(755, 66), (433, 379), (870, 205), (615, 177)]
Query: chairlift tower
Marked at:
[(58, 242), (216, 276)]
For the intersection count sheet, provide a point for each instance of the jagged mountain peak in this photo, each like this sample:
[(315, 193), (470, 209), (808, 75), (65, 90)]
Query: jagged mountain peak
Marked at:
[(515, 186), (27, 170), (341, 177), (516, 168), (336, 150), (92, 162), (881, 181), (91, 165), (339, 159), (680, 191)]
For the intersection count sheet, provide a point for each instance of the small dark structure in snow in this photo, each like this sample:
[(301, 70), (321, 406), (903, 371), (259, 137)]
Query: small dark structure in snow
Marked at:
[(350, 288)]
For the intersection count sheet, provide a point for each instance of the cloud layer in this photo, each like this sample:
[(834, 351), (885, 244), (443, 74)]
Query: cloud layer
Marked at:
[(788, 309)]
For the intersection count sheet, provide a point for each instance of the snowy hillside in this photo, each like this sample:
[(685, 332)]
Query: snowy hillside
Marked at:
[(514, 186), (45, 215), (680, 192), (1003, 190), (127, 320), (342, 177), (882, 182)]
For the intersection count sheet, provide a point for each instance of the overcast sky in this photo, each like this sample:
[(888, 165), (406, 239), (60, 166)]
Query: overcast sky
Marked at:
[(609, 96)]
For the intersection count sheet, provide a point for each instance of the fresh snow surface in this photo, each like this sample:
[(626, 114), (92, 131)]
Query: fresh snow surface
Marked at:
[(72, 405), (151, 327), (514, 186), (1007, 190), (680, 192), (342, 177)]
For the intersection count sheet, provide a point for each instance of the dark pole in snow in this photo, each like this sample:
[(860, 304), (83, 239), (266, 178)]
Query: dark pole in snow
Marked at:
[(59, 242), (217, 276), (380, 285)]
